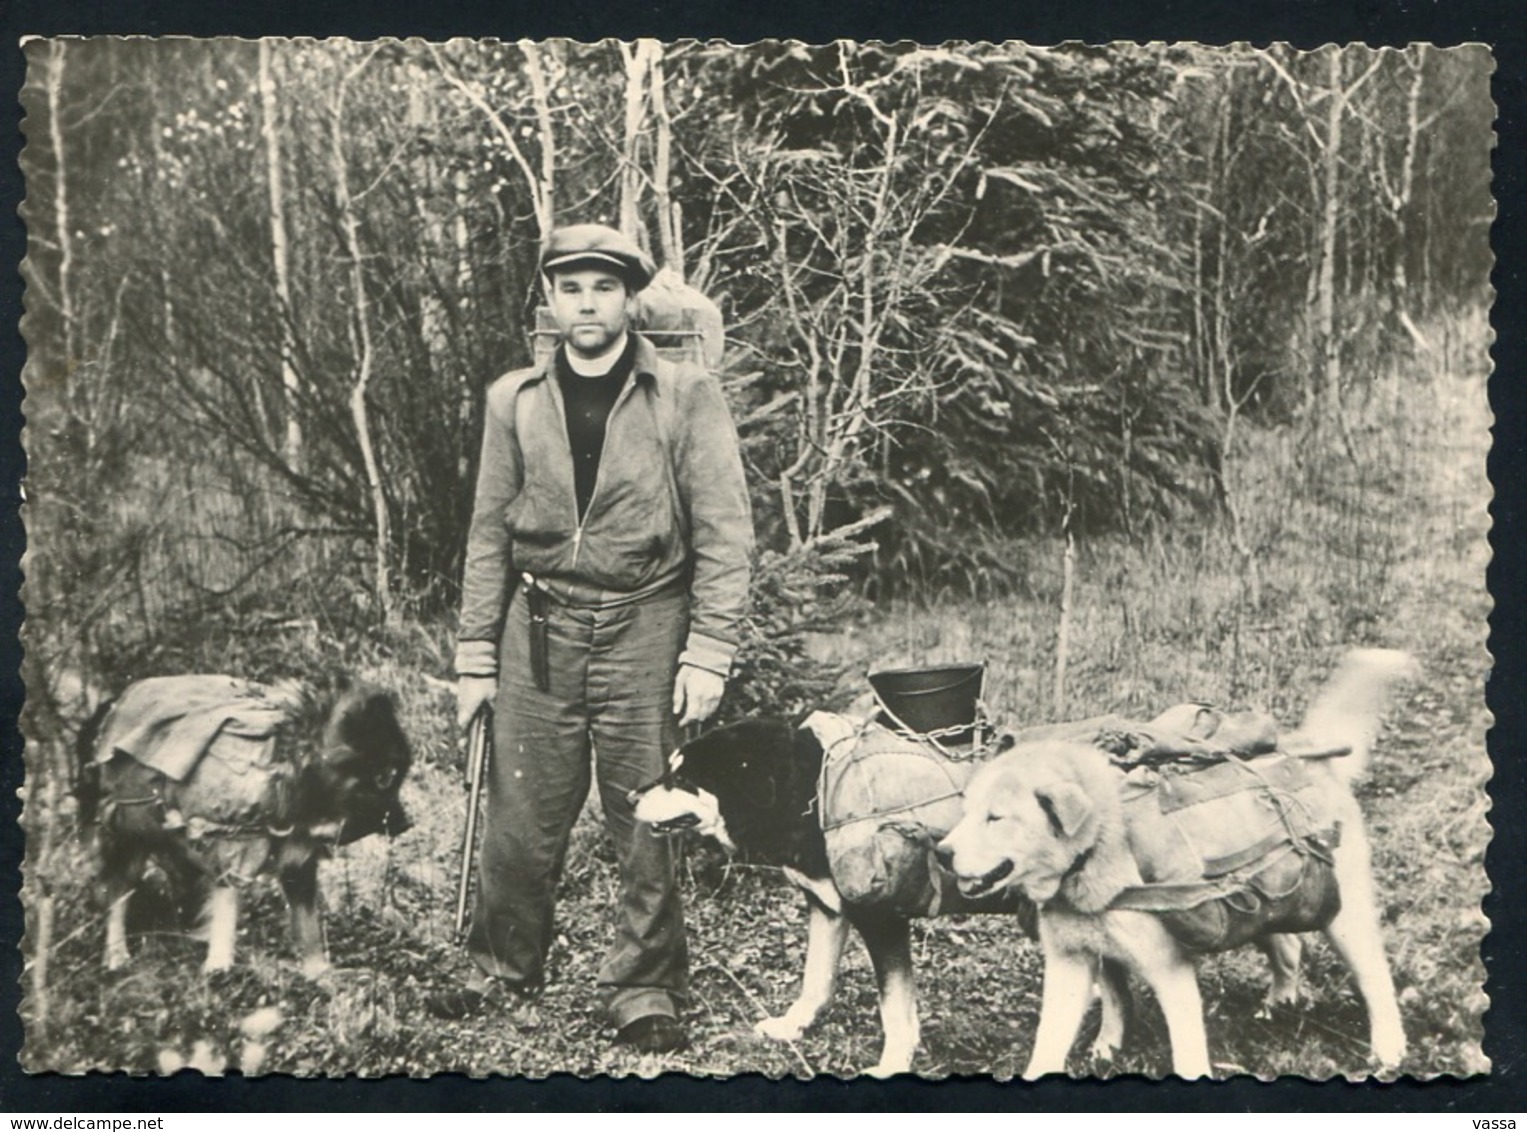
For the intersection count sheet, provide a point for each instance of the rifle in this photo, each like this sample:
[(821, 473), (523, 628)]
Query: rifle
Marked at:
[(479, 750)]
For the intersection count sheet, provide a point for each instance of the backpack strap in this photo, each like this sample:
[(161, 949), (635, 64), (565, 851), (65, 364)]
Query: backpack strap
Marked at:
[(664, 415)]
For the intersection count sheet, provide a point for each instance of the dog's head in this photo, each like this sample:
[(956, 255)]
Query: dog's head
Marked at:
[(674, 804), (1030, 820), (364, 758), (740, 776)]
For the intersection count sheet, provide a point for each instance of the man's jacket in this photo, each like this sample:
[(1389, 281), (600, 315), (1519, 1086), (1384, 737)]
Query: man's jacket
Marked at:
[(670, 508)]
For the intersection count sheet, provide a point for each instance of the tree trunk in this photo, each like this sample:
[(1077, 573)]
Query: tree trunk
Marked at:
[(361, 335), (1415, 59), (669, 236), (270, 129), (1325, 285), (42, 950), (637, 64), (546, 197), (430, 206), (1220, 373), (1063, 629), (55, 82), (1203, 376), (466, 283)]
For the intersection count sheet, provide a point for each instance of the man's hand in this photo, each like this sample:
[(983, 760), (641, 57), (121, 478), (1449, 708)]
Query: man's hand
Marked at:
[(471, 693), (696, 694)]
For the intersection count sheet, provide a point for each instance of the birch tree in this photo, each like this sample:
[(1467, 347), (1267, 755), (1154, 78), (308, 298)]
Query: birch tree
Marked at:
[(543, 189), (638, 60), (270, 129), (360, 330), (670, 226), (63, 238)]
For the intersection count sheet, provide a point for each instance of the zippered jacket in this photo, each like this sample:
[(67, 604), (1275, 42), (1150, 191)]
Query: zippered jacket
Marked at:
[(670, 508)]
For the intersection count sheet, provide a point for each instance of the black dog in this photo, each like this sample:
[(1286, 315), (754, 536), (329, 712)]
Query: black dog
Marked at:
[(218, 780), (752, 786)]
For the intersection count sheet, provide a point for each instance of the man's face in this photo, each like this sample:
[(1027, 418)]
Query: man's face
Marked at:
[(591, 308)]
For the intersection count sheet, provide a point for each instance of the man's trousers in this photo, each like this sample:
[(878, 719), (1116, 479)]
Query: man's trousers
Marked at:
[(611, 695)]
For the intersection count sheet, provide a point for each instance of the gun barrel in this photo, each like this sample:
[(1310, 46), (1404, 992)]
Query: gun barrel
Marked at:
[(477, 766)]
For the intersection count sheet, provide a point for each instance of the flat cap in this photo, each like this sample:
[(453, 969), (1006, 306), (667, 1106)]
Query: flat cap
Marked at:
[(595, 245)]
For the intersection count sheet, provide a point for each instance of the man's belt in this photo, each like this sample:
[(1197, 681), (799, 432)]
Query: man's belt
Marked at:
[(540, 597)]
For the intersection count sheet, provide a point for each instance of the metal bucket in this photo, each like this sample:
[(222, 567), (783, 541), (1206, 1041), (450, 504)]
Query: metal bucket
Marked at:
[(926, 700)]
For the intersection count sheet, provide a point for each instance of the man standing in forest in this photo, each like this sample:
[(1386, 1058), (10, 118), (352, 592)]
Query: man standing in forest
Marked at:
[(606, 577)]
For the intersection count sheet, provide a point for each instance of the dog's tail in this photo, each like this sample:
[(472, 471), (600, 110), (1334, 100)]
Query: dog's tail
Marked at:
[(1348, 710), (87, 772)]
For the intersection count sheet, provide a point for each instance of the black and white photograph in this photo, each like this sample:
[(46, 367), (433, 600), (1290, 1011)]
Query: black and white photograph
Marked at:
[(818, 560)]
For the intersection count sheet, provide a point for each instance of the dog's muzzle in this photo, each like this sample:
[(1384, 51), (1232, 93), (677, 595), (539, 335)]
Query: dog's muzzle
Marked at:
[(397, 822), (666, 805), (674, 806), (981, 885), (676, 824)]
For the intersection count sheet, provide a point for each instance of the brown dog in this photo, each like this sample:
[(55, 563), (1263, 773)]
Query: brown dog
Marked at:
[(218, 780), (1053, 821)]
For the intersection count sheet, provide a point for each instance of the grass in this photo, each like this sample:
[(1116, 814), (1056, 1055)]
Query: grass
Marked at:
[(1388, 549)]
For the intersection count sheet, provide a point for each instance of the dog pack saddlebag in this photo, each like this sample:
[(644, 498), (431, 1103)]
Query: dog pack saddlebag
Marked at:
[(212, 742), (886, 800), (1262, 863)]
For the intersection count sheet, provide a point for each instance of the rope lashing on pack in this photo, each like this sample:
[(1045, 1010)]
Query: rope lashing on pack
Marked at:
[(1247, 886)]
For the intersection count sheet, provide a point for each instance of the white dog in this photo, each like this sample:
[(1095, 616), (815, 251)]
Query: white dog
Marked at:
[(1049, 819)]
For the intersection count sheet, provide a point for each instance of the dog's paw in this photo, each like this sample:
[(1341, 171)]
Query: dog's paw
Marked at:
[(1389, 1051), (1104, 1054), (887, 1069), (783, 1028)]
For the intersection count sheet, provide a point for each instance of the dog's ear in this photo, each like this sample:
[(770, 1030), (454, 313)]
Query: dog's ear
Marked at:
[(1066, 805), (366, 719), (805, 748)]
